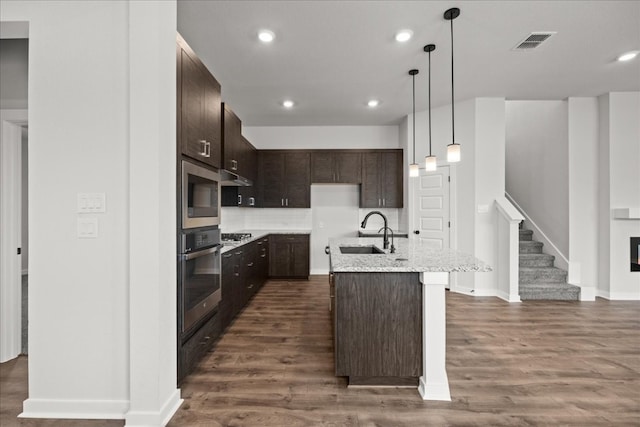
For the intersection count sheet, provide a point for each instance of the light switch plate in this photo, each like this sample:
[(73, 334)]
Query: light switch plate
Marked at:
[(87, 228), (92, 202)]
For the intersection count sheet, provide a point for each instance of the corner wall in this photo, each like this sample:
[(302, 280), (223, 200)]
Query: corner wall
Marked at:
[(619, 160), (102, 313), (536, 165)]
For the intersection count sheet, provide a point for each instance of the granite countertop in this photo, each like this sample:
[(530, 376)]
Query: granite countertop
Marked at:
[(257, 235), (412, 255)]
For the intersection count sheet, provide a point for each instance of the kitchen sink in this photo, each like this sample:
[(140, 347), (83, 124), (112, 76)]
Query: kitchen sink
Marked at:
[(370, 249)]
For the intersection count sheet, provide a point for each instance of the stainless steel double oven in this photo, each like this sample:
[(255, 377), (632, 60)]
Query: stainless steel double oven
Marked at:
[(199, 290)]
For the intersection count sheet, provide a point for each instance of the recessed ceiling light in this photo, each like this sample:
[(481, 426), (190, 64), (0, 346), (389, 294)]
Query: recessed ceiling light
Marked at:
[(404, 35), (628, 56), (266, 36), (288, 103), (373, 103)]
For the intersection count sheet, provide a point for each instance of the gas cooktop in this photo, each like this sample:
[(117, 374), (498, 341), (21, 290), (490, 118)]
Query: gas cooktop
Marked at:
[(235, 237)]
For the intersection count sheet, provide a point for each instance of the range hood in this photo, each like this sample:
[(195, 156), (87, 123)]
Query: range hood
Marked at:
[(230, 179)]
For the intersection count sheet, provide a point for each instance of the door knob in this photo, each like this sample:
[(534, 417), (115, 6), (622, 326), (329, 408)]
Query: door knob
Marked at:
[(416, 231)]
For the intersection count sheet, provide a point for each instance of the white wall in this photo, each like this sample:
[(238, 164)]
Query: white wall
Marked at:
[(102, 312), (619, 188), (13, 73), (478, 179), (583, 194), (537, 159), (328, 137), (24, 224)]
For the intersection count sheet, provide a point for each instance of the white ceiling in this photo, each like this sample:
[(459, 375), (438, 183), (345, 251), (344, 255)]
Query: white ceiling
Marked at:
[(331, 57)]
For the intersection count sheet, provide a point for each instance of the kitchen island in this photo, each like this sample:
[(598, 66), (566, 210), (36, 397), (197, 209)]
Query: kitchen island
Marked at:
[(389, 312)]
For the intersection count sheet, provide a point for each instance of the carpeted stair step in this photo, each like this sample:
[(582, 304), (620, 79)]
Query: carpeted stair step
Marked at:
[(536, 260), (542, 275), (531, 247), (526, 235), (549, 291)]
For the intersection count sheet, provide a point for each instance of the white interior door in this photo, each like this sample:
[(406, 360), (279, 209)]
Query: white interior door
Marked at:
[(432, 210)]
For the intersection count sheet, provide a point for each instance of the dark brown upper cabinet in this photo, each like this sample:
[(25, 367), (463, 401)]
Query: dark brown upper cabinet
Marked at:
[(232, 146), (199, 109), (284, 178), (382, 174), (336, 166)]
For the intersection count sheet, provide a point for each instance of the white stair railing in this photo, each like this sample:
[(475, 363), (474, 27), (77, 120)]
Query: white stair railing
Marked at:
[(508, 250)]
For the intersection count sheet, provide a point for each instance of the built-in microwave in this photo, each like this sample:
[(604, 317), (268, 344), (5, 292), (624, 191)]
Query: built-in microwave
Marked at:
[(200, 196)]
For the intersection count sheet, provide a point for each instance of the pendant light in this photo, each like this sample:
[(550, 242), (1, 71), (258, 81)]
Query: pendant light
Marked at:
[(414, 168), (453, 149), (430, 161)]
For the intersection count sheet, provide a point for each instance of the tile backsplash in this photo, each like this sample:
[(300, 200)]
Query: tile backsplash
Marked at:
[(235, 219)]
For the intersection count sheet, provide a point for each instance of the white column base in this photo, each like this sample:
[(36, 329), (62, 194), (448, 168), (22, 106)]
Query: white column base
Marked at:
[(434, 383), (434, 391)]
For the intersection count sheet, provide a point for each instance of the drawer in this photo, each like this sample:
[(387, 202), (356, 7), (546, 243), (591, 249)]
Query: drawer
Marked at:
[(194, 349)]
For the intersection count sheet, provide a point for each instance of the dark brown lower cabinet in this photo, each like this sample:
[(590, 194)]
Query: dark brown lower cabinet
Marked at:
[(378, 327), (289, 256), (195, 347), (244, 271)]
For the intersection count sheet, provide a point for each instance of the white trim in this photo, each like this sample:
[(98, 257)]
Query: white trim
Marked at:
[(587, 293), (74, 409), (508, 262), (618, 296), (10, 225), (434, 384), (160, 418), (561, 260)]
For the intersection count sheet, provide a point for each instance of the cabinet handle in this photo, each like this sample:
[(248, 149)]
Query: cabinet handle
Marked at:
[(281, 202), (208, 149), (384, 202), (239, 253), (287, 202), (263, 256), (379, 202), (250, 286), (234, 165), (239, 199), (203, 148), (250, 264)]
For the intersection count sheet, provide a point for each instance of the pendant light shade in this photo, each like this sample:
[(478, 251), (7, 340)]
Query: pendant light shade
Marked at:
[(453, 149), (430, 163), (414, 168)]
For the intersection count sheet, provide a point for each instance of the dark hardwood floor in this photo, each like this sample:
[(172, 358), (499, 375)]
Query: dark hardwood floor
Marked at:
[(532, 363)]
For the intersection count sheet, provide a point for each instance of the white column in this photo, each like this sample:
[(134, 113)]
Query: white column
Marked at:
[(434, 384)]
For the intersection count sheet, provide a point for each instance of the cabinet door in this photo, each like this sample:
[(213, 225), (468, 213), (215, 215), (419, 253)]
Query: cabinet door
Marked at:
[(299, 263), (297, 179), (212, 116), (192, 138), (348, 167), (228, 279), (263, 260), (271, 179), (391, 183), (199, 109), (279, 252), (322, 167), (250, 271), (370, 190), (231, 139)]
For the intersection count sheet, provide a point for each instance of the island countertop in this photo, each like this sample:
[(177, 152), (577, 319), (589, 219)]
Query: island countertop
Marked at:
[(412, 255)]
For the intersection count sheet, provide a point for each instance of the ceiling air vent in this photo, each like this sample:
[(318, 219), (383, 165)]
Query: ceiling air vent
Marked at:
[(533, 40)]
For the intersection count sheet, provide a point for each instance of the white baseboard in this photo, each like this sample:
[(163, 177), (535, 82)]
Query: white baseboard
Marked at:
[(507, 297), (474, 292), (618, 296), (587, 293), (153, 418), (319, 272), (74, 409)]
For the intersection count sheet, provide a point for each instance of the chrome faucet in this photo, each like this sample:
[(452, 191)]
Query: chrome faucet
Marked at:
[(385, 243)]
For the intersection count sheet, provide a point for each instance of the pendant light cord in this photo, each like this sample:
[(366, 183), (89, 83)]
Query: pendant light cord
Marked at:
[(414, 117), (453, 127), (429, 103)]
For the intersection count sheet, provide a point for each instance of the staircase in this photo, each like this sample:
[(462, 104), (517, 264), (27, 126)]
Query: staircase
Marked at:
[(539, 279)]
